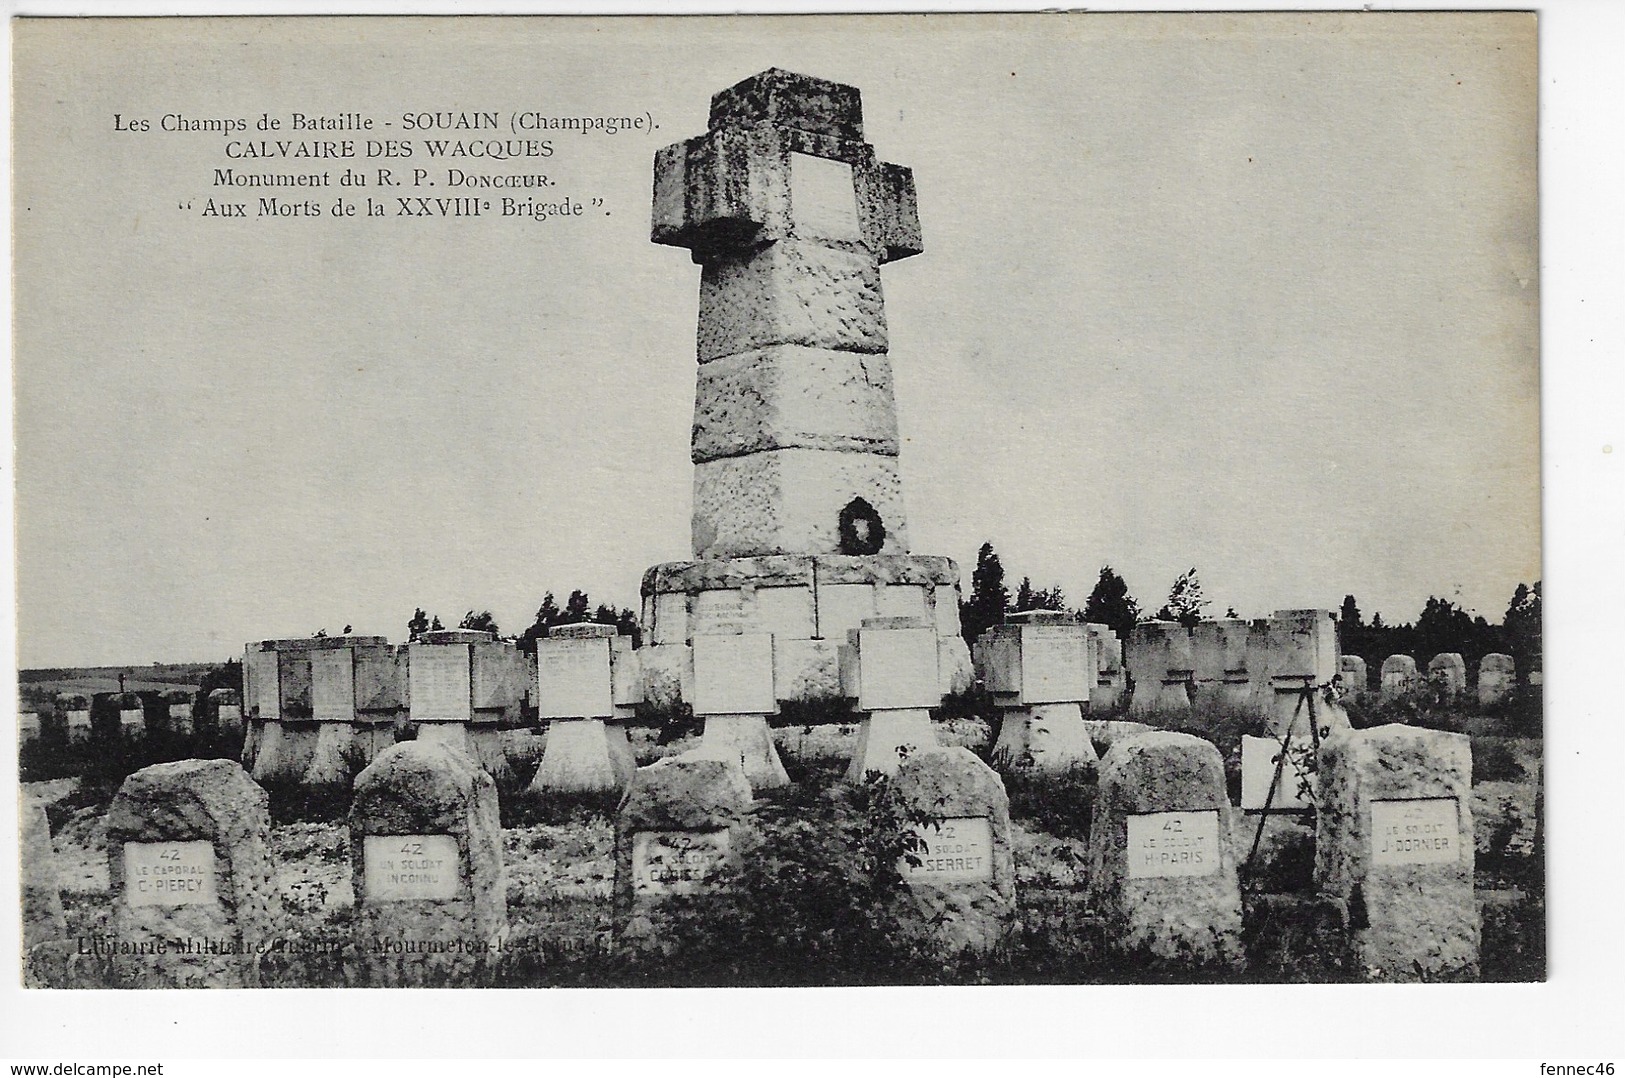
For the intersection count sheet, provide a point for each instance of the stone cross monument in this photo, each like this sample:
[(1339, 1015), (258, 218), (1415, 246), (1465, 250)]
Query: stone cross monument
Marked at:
[(798, 526)]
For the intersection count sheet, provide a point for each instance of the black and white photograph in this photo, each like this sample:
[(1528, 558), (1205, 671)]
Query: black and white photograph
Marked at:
[(863, 502)]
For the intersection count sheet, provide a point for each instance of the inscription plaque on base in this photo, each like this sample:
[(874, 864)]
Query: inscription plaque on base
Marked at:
[(1173, 844), (1424, 832), (959, 850), (169, 873), (573, 679), (676, 862), (400, 868), (1054, 664), (439, 680), (733, 675)]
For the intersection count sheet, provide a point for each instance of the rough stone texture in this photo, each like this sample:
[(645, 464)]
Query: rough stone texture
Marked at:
[(1352, 669), (1176, 921), (1449, 672), (209, 801), (380, 681), (790, 100), (78, 723), (1496, 676), (456, 636), (799, 570), (284, 750), (1409, 921), (331, 754), (789, 501), (1161, 665), (775, 595), (791, 292), (261, 696), (1398, 674), (1046, 738), (1219, 658), (1105, 733), (951, 915), (791, 397), (582, 755), (419, 789), (744, 738), (42, 901), (682, 794), (294, 684), (1108, 690), (1039, 660), (883, 735)]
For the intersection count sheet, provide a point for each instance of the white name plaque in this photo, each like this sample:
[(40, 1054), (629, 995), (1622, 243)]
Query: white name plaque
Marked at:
[(169, 873), (958, 850), (676, 862), (1424, 832), (439, 676), (1173, 844), (400, 868), (1055, 664), (573, 679)]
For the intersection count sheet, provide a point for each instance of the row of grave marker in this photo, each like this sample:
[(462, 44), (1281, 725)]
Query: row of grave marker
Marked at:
[(192, 875), (176, 711)]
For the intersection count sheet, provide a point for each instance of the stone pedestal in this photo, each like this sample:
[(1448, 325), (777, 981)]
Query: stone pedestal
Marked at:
[(28, 728), (187, 856), (807, 603), (426, 861), (677, 833), (1161, 665), (576, 697), (889, 670), (1110, 679), (1394, 839), (959, 875), (179, 707), (733, 693), (1292, 659), (1162, 869), (1219, 658), (1041, 668)]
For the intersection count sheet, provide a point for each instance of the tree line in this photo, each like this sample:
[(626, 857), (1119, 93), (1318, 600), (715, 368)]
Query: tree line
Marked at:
[(1442, 626)]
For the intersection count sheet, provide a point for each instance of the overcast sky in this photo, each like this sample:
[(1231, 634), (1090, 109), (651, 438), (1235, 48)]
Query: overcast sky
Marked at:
[(1254, 294)]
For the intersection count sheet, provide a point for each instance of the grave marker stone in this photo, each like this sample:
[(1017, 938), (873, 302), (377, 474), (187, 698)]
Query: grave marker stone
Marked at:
[(191, 875), (889, 667), (1161, 666), (733, 693), (1497, 675), (132, 715), (676, 833), (1448, 672), (1352, 669), (959, 880), (426, 861), (42, 898), (1162, 870), (1398, 675), (228, 710), (28, 728), (1394, 839)]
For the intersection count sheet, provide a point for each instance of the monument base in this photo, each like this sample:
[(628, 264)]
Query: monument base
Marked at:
[(284, 750), (747, 739), (1046, 737), (808, 602), (882, 736), (583, 756)]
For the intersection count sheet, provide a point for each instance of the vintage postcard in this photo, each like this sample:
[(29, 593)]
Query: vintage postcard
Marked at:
[(823, 501)]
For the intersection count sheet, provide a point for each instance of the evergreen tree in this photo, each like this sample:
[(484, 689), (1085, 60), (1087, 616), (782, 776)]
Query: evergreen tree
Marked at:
[(1521, 629), (989, 599), (1110, 604), (1024, 595), (576, 608), (1185, 603), (418, 625), (482, 621)]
